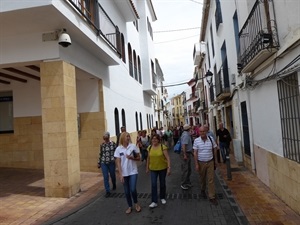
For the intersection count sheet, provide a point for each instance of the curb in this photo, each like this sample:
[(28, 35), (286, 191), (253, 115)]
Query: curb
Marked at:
[(242, 219)]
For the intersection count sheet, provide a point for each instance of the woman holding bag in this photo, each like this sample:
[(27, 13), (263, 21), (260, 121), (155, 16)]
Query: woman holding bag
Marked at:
[(127, 155), (159, 165)]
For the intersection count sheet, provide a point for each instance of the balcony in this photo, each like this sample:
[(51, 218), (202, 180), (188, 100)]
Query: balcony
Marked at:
[(151, 86), (98, 19), (202, 106), (127, 9), (258, 36), (89, 26), (199, 52), (222, 82), (212, 95)]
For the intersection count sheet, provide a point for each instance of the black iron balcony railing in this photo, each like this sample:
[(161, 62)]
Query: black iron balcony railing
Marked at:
[(258, 33), (93, 13), (222, 80)]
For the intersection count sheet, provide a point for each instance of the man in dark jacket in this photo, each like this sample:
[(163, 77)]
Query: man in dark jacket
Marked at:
[(224, 138)]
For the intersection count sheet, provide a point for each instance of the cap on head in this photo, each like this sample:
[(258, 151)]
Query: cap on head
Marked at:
[(186, 127)]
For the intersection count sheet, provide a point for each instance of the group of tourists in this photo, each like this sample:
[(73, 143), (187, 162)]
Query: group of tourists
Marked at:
[(198, 144)]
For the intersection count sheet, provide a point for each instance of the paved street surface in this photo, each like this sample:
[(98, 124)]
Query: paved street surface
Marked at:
[(23, 202), (183, 206)]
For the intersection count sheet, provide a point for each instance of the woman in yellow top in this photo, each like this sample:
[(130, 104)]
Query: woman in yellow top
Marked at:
[(158, 162)]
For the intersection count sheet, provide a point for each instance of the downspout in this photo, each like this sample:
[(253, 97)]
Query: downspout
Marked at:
[(253, 163)]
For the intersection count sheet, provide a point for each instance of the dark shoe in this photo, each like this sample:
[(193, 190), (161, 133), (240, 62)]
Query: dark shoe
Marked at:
[(107, 194), (203, 194), (189, 185), (184, 187), (213, 201)]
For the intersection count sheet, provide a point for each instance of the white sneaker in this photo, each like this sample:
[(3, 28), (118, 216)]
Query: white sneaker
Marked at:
[(163, 201), (153, 205)]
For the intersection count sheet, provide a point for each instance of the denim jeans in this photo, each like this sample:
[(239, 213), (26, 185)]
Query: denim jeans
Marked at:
[(224, 150), (109, 168), (161, 174), (130, 189), (144, 153)]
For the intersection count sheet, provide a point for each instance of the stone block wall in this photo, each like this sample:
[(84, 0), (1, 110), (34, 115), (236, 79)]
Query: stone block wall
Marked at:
[(23, 148), (283, 176)]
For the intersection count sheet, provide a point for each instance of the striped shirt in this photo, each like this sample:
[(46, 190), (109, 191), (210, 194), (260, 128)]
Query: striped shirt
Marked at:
[(204, 149)]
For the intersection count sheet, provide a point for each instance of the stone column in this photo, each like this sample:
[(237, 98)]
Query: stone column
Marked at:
[(60, 131)]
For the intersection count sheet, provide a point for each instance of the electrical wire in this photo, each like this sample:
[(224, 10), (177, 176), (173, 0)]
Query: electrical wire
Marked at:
[(162, 42), (200, 3), (183, 29), (277, 75)]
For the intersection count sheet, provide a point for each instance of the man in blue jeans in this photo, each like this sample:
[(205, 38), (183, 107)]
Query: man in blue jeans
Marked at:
[(224, 141), (107, 162), (186, 157)]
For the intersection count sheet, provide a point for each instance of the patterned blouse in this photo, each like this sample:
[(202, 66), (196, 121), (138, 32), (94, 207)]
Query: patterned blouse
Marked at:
[(107, 151)]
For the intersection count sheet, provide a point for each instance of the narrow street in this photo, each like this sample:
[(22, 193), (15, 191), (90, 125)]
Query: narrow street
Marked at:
[(183, 207)]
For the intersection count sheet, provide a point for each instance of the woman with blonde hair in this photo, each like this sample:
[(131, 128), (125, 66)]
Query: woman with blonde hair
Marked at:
[(127, 155)]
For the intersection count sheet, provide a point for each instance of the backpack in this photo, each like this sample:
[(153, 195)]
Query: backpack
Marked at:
[(177, 147)]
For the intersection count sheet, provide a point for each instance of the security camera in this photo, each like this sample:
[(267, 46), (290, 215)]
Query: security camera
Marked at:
[(64, 39)]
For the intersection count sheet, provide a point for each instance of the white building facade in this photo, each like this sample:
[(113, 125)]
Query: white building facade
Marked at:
[(56, 102), (252, 50)]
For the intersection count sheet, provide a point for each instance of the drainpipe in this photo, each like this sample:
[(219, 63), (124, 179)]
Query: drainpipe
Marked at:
[(253, 163)]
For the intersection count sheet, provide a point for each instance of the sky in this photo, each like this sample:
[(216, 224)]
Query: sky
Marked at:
[(174, 40)]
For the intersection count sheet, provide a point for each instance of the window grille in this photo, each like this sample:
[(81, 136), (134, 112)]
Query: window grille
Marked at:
[(289, 99)]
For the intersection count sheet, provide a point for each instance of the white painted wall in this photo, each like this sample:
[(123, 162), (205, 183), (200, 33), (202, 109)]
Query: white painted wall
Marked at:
[(120, 89), (26, 98)]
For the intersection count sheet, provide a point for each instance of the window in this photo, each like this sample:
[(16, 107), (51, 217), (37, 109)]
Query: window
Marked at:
[(149, 28), (208, 55), (123, 118), (212, 41), (130, 60), (136, 24), (6, 112), (117, 122), (139, 70), (148, 125), (87, 7), (236, 32), (218, 14), (123, 48), (289, 98), (136, 121), (141, 121), (135, 66)]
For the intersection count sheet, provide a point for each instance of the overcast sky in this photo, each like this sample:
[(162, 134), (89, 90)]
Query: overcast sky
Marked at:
[(174, 49)]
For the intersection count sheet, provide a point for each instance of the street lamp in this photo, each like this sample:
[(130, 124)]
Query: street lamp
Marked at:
[(208, 77)]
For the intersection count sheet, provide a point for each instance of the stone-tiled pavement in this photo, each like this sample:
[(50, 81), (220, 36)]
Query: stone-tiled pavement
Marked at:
[(243, 200)]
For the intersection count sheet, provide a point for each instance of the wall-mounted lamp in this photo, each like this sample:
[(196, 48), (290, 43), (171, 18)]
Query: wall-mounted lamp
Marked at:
[(61, 36), (208, 77), (267, 38)]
